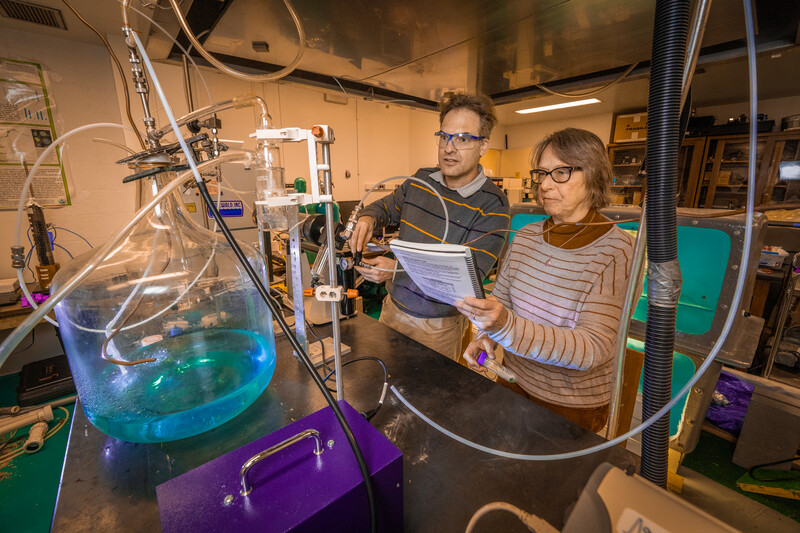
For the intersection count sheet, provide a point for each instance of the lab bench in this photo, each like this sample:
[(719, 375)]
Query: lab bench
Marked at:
[(110, 485)]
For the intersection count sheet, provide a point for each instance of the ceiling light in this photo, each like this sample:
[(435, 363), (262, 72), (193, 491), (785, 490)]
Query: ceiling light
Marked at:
[(558, 106)]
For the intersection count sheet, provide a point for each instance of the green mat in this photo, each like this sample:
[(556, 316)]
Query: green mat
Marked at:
[(712, 458), (29, 483)]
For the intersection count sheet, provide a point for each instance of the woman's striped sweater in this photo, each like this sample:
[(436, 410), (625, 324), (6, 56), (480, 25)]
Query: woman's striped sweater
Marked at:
[(565, 306)]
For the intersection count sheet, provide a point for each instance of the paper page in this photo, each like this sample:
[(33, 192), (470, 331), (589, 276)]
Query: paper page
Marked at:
[(441, 275)]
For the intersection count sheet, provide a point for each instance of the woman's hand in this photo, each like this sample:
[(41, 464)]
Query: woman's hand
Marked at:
[(488, 314), (484, 344), (362, 234), (377, 276)]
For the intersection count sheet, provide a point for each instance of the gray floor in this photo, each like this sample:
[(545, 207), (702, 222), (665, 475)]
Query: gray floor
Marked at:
[(734, 509)]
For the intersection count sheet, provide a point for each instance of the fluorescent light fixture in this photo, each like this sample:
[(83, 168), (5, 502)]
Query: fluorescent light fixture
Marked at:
[(558, 106)]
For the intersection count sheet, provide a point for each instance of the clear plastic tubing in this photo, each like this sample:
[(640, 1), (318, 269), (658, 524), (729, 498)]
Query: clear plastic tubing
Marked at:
[(167, 109), (185, 52), (444, 207), (28, 324), (24, 194), (737, 297), (204, 111)]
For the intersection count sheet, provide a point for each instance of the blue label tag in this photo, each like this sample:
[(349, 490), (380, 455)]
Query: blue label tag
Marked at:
[(229, 208)]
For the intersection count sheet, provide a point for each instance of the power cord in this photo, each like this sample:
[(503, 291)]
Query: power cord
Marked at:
[(275, 309), (533, 522), (372, 412), (752, 471)]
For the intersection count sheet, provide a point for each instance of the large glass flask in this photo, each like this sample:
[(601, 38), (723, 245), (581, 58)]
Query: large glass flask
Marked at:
[(168, 337)]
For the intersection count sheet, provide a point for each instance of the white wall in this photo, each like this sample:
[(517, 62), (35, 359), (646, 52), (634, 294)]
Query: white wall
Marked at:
[(84, 92), (522, 138), (373, 140)]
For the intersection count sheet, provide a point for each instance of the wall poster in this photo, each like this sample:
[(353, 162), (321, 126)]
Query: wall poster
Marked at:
[(27, 128)]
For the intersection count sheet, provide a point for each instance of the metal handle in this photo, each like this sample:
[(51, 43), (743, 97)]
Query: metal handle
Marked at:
[(246, 489)]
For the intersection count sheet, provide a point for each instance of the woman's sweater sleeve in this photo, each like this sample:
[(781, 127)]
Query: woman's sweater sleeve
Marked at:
[(588, 345)]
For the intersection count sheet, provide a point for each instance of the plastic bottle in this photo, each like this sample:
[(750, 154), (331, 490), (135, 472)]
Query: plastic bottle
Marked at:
[(485, 361)]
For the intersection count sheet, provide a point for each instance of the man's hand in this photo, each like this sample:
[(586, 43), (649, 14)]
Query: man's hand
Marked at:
[(362, 234), (374, 275), (488, 314), (483, 344)]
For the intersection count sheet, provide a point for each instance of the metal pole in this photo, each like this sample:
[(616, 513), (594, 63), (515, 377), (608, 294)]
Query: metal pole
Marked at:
[(696, 32), (331, 241), (295, 269), (631, 291)]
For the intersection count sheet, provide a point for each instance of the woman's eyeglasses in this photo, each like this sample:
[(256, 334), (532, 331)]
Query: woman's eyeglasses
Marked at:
[(558, 174)]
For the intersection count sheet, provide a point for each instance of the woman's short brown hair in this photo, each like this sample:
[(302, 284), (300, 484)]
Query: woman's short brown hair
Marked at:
[(584, 149)]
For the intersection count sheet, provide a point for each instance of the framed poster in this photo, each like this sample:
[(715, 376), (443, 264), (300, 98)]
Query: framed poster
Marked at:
[(27, 128)]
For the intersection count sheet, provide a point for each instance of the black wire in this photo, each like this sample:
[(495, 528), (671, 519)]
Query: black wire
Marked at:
[(321, 345), (33, 339), (752, 470), (368, 414), (273, 306)]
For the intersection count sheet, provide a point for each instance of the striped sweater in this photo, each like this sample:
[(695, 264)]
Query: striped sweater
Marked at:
[(418, 212), (561, 330)]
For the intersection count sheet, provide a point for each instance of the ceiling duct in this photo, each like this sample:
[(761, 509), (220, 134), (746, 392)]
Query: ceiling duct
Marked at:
[(28, 12)]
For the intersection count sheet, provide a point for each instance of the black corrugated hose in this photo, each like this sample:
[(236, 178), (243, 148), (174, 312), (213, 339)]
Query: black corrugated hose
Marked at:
[(670, 32)]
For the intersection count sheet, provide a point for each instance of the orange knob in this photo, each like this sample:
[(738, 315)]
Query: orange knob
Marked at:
[(317, 131), (352, 293), (308, 292)]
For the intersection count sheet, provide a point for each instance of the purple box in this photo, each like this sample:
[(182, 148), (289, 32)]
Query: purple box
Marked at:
[(294, 489)]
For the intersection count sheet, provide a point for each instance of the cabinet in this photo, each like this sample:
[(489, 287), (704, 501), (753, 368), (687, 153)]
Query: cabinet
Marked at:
[(784, 147), (629, 183), (723, 181), (712, 171)]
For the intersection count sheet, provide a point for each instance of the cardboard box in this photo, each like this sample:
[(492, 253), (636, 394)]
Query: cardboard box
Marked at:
[(630, 128)]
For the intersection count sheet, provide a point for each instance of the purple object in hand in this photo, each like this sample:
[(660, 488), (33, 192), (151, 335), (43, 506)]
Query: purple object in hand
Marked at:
[(482, 357), (294, 489)]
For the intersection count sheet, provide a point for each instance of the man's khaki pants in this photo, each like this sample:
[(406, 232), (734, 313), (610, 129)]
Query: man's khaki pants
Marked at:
[(443, 335)]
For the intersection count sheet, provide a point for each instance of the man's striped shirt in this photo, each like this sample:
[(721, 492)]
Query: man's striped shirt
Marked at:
[(419, 214)]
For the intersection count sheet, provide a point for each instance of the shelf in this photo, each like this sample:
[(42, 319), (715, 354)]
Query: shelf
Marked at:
[(626, 165), (626, 186)]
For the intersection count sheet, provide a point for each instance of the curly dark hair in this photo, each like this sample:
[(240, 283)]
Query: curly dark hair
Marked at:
[(480, 104), (582, 149)]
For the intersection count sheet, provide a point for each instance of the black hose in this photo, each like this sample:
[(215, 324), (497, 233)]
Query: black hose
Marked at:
[(670, 32), (275, 309)]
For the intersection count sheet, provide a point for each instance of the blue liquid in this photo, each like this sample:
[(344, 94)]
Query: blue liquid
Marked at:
[(200, 380)]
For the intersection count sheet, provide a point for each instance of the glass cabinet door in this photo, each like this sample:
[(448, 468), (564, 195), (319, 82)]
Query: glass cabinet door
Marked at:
[(626, 163), (690, 160), (724, 184), (783, 182)]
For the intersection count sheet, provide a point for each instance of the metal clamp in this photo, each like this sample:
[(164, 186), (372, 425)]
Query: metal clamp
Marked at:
[(246, 488)]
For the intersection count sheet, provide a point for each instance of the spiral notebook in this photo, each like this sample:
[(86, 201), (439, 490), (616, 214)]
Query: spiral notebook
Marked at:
[(446, 272)]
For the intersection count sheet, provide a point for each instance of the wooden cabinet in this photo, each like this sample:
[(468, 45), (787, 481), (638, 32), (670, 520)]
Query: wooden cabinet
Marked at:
[(712, 171), (773, 189), (723, 180), (629, 176)]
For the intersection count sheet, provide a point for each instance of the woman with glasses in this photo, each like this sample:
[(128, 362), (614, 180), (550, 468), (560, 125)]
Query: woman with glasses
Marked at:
[(556, 305)]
